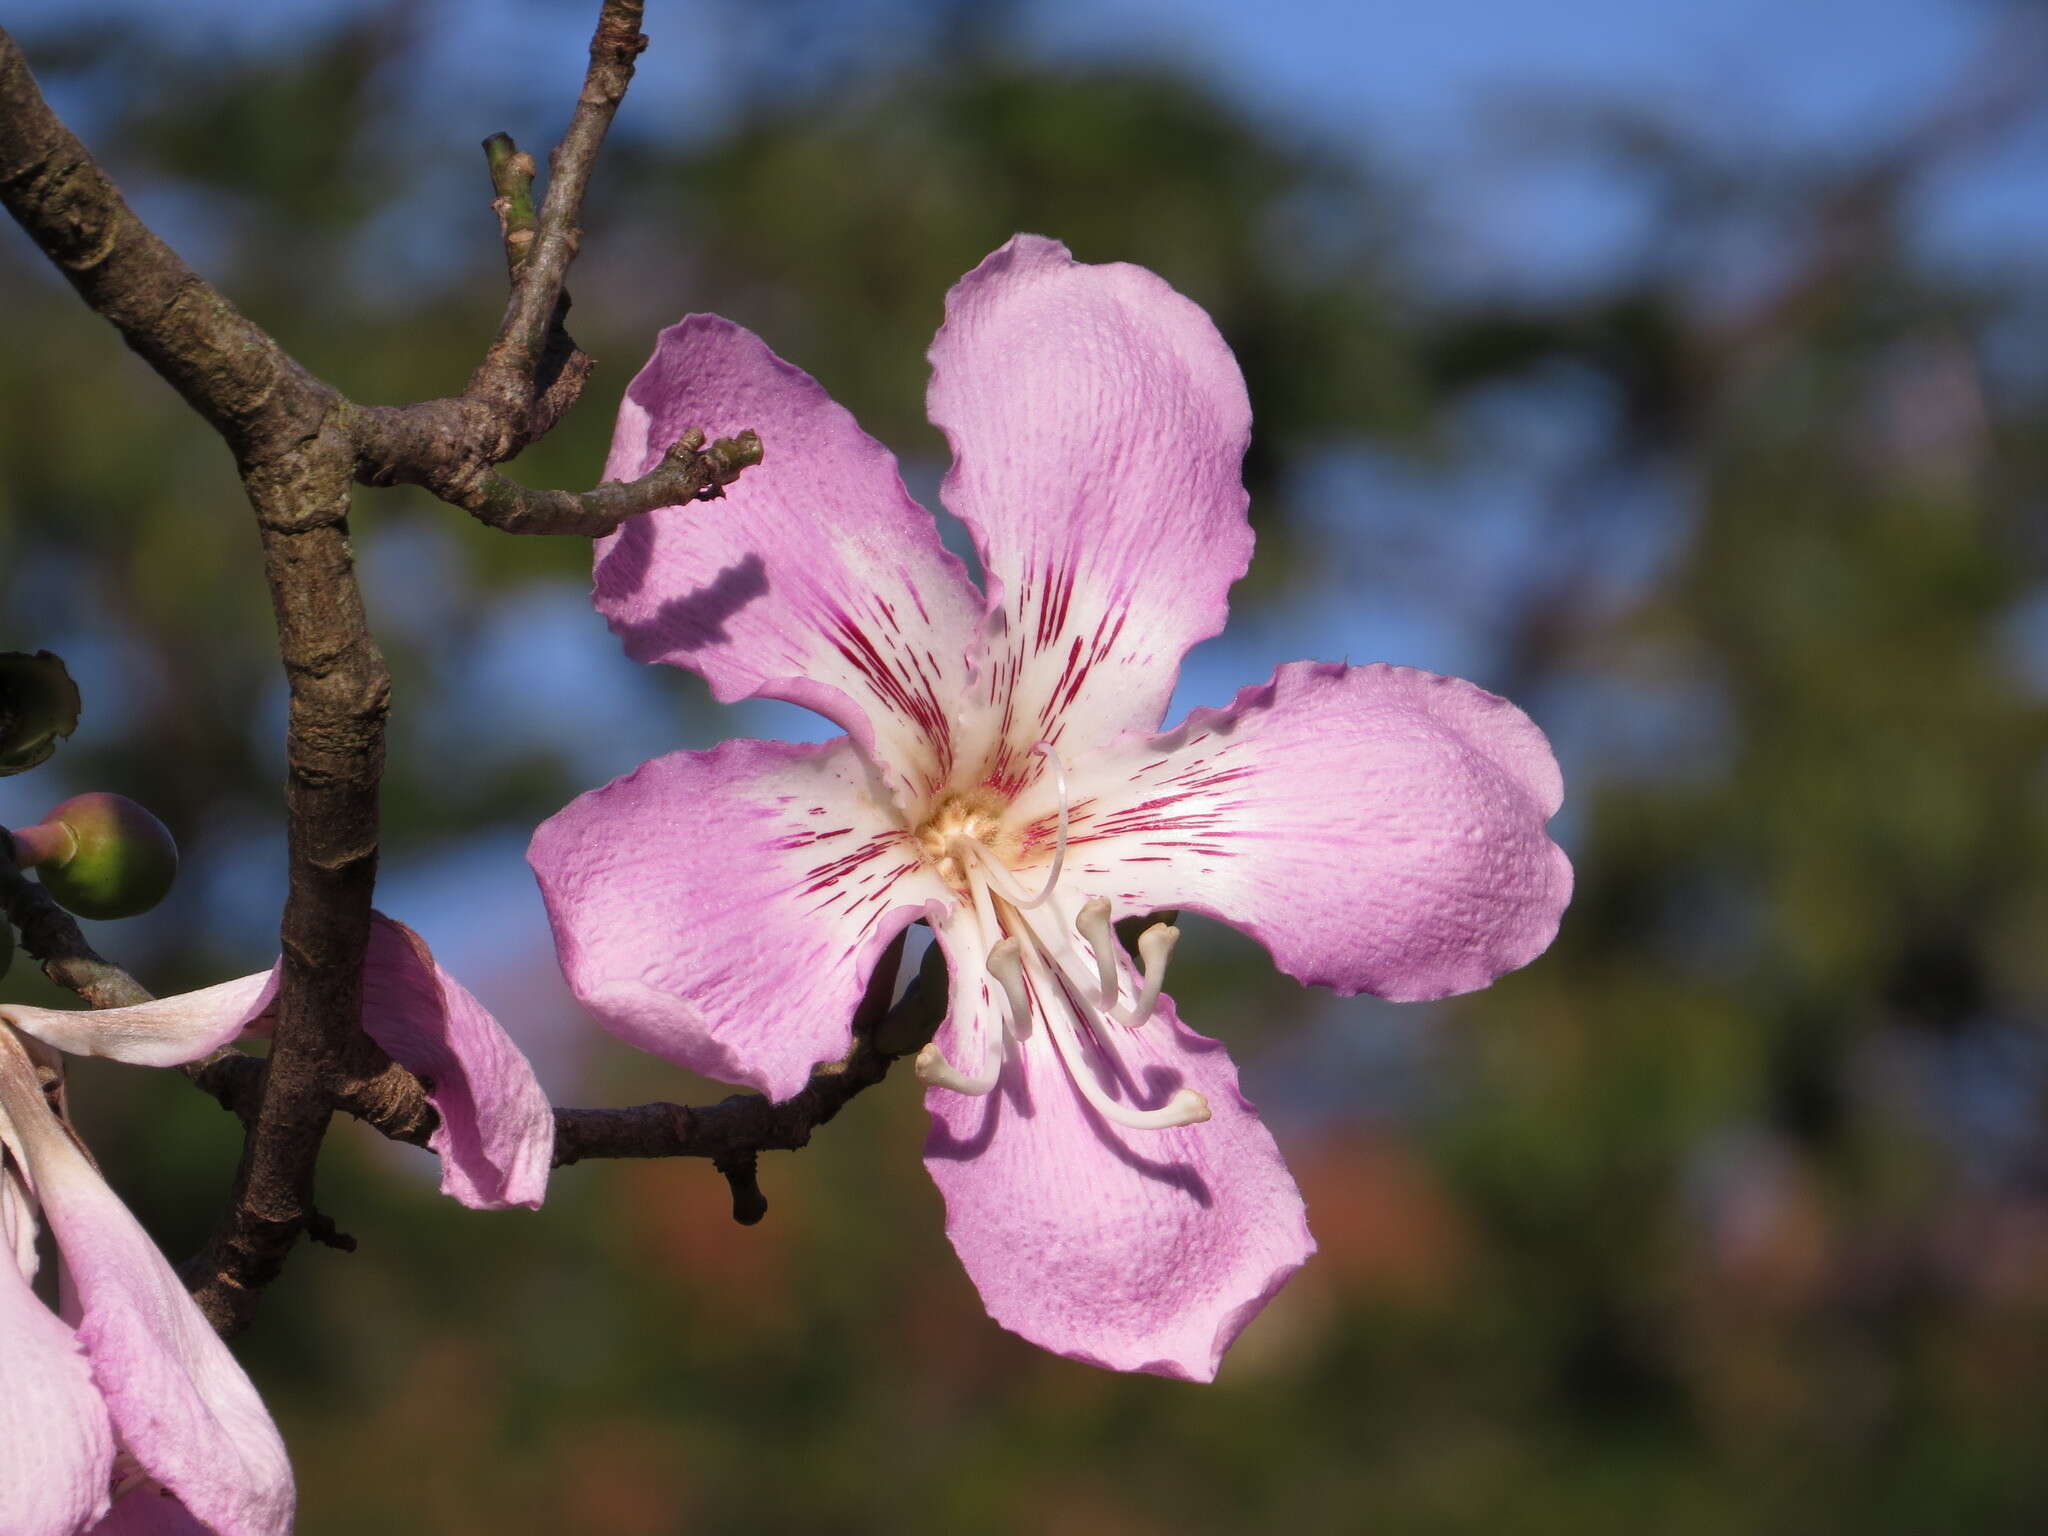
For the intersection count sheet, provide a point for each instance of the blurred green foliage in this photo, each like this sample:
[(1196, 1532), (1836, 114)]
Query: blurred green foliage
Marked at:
[(1730, 1214)]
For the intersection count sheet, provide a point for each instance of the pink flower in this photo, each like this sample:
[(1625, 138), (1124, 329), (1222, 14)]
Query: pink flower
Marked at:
[(129, 1391), (1109, 1189), (128, 1396)]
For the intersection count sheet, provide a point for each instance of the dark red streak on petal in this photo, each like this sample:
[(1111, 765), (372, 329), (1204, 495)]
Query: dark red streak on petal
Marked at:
[(922, 707)]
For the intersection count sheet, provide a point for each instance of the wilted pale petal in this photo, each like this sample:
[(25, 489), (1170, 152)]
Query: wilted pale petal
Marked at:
[(160, 1033), (56, 1445), (1098, 423), (18, 1224), (1377, 828), (817, 579), (1139, 1250), (179, 1402), (496, 1139), (724, 909)]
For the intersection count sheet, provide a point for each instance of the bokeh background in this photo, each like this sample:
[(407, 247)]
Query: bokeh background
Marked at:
[(1675, 370)]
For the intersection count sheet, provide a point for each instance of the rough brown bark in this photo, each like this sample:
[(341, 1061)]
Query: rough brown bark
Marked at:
[(300, 446)]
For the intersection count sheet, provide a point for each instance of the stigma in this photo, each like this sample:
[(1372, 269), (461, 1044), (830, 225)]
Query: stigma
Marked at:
[(1046, 959)]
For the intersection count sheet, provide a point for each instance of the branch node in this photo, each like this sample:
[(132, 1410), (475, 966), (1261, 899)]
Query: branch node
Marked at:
[(321, 1229), (749, 1205)]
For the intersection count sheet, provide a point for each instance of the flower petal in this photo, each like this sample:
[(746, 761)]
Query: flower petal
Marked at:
[(1377, 828), (160, 1033), (179, 1402), (56, 1444), (496, 1139), (723, 909), (816, 579), (149, 1509), (18, 1224), (1133, 1250), (1098, 423)]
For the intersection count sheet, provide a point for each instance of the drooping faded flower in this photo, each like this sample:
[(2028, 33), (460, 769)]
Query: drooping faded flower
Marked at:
[(496, 1138), (125, 1413), (1109, 1189), (128, 1393)]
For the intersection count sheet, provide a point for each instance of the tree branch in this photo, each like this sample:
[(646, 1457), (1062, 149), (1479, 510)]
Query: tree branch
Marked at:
[(687, 472), (393, 1102), (296, 461), (220, 361), (52, 939), (334, 753), (505, 378), (564, 366), (731, 1132), (299, 446), (512, 172)]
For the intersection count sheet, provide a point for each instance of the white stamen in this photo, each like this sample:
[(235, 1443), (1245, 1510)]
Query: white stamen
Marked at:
[(1155, 947), (1092, 923), (1059, 851), (976, 861), (1053, 944), (1186, 1107), (932, 1067), (1006, 964), (1000, 880)]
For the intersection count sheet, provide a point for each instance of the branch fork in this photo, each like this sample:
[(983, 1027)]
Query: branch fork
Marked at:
[(300, 446)]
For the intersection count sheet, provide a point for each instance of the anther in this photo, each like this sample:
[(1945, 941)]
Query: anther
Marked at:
[(1185, 1107), (1006, 964), (932, 1067), (1155, 947), (1092, 922)]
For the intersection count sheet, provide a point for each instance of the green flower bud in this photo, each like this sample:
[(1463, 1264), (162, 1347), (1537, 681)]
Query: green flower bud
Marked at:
[(121, 862), (38, 705)]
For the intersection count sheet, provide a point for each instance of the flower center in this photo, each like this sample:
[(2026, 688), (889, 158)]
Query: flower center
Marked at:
[(1048, 960), (963, 819)]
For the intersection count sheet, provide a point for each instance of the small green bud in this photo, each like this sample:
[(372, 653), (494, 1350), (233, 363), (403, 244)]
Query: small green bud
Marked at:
[(122, 860), (38, 705)]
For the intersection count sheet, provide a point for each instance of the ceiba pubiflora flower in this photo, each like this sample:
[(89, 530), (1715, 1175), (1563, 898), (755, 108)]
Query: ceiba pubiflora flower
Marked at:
[(123, 1412), (1109, 1189)]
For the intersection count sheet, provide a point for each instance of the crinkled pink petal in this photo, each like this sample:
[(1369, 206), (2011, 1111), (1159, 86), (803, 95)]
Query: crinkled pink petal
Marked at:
[(1098, 423), (1134, 1250), (160, 1033), (56, 1444), (1377, 828), (496, 1139), (724, 909), (179, 1402), (816, 579), (149, 1509)]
